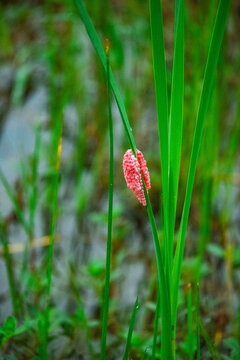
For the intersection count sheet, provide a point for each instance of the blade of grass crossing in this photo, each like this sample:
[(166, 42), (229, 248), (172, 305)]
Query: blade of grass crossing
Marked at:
[(130, 330), (176, 120), (102, 56), (32, 207), (55, 186), (34, 193), (13, 199), (166, 336), (190, 341), (198, 323), (160, 78), (33, 198), (156, 322), (207, 89), (9, 267), (110, 210)]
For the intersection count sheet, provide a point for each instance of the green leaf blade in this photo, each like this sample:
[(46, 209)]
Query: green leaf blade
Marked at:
[(176, 119), (209, 75), (130, 330), (96, 42), (160, 78)]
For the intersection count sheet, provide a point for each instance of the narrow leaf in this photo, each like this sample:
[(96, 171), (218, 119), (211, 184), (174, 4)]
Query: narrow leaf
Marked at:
[(176, 119), (130, 330), (207, 89), (160, 78), (110, 216), (100, 51)]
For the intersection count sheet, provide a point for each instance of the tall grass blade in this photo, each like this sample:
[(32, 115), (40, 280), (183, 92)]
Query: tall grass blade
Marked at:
[(9, 267), (156, 322), (209, 75), (13, 199), (198, 323), (190, 339), (32, 206), (130, 331), (55, 186), (100, 51), (160, 78), (176, 119), (110, 211), (166, 336)]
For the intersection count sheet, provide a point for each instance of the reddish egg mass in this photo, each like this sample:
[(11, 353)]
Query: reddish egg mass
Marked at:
[(132, 169)]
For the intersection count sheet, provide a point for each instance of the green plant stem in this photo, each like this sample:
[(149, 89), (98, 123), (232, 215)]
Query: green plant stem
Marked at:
[(9, 267), (109, 234), (32, 206), (156, 322), (207, 89), (13, 199), (198, 322), (166, 344), (130, 331), (190, 325), (102, 56), (176, 123), (55, 186), (160, 78)]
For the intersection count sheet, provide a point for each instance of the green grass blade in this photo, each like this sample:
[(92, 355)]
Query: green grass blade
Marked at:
[(9, 267), (198, 323), (13, 199), (160, 78), (35, 165), (130, 330), (156, 322), (57, 137), (109, 234), (32, 206), (176, 119), (166, 336), (190, 340), (100, 51), (207, 89)]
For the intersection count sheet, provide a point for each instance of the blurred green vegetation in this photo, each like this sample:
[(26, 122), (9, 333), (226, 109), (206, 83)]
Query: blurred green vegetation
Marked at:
[(51, 82)]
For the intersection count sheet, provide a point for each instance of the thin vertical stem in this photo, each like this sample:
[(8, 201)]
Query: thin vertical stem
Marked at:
[(10, 274), (156, 323), (110, 211), (130, 330), (190, 324), (166, 342), (52, 233)]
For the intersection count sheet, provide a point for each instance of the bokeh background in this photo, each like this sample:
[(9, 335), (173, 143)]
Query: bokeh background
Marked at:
[(50, 75)]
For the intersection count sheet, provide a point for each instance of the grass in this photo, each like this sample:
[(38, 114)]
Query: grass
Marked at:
[(207, 89), (10, 273), (130, 331), (51, 313), (170, 146), (110, 211)]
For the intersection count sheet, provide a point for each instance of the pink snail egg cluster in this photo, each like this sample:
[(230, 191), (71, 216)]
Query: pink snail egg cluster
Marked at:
[(132, 168)]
